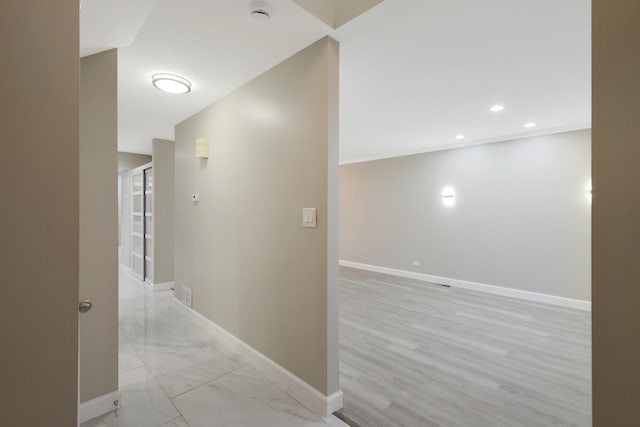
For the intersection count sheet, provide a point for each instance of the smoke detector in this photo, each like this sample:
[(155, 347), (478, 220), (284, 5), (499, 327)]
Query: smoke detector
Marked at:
[(261, 10)]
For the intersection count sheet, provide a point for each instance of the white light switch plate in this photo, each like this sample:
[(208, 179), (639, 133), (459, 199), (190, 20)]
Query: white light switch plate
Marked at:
[(309, 218), (195, 197)]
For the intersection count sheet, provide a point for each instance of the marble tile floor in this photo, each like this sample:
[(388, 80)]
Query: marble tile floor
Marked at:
[(174, 373)]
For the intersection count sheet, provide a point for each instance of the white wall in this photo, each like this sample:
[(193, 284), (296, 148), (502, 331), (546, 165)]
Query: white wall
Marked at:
[(521, 218)]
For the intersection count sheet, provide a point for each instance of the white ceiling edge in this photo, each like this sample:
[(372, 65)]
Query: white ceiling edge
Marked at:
[(471, 143), (113, 23)]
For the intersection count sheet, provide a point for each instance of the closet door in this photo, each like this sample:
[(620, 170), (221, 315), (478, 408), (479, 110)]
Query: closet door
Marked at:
[(137, 223), (148, 225)]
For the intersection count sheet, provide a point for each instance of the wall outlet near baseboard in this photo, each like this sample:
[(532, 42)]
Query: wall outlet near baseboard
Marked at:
[(186, 296), (416, 263)]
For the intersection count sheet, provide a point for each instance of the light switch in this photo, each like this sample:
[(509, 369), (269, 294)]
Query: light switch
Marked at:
[(309, 217), (195, 198)]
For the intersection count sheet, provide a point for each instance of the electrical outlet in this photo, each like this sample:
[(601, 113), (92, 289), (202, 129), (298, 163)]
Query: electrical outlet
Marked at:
[(186, 296), (416, 263)]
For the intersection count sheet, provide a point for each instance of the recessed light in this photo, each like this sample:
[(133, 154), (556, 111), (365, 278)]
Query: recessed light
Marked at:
[(459, 136), (530, 125), (448, 196), (496, 108), (171, 83)]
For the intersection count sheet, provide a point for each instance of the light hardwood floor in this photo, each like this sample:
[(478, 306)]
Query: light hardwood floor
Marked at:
[(417, 354)]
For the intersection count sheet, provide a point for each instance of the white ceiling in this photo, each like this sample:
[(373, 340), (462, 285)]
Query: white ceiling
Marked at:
[(414, 73), (214, 43), (109, 24)]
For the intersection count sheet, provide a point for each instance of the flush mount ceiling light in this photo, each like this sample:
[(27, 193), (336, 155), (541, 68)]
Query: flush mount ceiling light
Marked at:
[(459, 136), (260, 10), (171, 83), (496, 108), (530, 125)]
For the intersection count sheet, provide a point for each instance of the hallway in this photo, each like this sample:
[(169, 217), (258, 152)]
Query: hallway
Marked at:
[(174, 373)]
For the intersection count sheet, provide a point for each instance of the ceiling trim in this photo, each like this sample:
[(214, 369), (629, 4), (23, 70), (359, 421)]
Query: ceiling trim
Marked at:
[(471, 143)]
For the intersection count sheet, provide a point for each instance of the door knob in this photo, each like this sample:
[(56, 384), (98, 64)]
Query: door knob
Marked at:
[(85, 305)]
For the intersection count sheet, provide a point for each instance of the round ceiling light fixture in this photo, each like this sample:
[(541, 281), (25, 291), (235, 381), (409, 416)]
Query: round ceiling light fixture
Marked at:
[(171, 83), (261, 10), (496, 108)]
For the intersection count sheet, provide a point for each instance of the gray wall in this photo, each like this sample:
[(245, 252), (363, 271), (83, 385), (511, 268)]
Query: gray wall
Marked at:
[(39, 212), (163, 196), (126, 162), (521, 218), (253, 269), (616, 212), (98, 224)]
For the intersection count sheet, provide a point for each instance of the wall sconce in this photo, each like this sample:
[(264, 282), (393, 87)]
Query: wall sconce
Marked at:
[(448, 196), (202, 148)]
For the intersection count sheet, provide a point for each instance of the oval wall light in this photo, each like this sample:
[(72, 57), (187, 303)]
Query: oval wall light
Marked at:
[(448, 196), (171, 83)]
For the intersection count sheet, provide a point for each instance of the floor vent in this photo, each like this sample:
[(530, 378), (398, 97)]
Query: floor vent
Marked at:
[(186, 296), (341, 415)]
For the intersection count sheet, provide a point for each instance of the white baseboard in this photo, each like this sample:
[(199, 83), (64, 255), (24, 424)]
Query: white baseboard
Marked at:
[(304, 393), (166, 286), (473, 286), (98, 406)]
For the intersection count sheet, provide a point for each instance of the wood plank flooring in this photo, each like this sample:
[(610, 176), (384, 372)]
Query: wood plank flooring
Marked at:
[(417, 354)]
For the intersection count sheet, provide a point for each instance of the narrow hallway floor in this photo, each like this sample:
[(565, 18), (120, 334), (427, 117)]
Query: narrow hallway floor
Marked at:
[(173, 372)]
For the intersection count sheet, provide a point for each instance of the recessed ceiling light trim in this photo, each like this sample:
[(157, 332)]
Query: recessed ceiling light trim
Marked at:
[(459, 136), (261, 15), (530, 125), (261, 10), (496, 108), (171, 83)]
